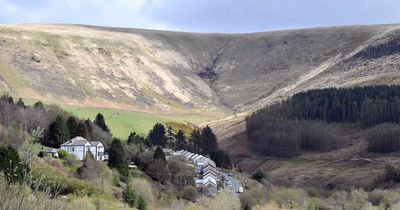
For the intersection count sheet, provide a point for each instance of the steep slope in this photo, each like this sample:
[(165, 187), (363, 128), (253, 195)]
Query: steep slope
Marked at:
[(160, 70)]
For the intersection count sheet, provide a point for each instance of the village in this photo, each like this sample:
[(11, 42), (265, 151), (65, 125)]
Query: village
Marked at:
[(208, 178)]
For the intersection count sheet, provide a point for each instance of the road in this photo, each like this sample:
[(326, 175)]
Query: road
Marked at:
[(235, 183)]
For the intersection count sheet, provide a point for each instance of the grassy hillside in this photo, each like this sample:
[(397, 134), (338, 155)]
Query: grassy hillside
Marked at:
[(123, 122)]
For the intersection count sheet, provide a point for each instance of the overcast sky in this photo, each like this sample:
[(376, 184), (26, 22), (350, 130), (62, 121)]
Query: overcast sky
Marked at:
[(203, 15)]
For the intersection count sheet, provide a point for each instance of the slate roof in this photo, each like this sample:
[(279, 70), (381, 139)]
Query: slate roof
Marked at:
[(77, 141), (80, 141), (95, 143)]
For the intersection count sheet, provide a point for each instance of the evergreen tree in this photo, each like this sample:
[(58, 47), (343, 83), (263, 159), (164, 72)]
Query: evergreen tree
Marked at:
[(82, 130), (180, 141), (72, 125), (159, 155), (117, 159), (11, 165), (116, 154), (39, 105), (208, 141), (170, 138), (129, 195), (58, 132), (7, 98), (21, 103), (196, 141), (100, 121), (157, 135), (141, 204), (132, 138)]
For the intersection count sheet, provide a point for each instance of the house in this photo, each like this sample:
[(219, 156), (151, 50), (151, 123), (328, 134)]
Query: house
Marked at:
[(49, 153), (80, 147), (207, 186)]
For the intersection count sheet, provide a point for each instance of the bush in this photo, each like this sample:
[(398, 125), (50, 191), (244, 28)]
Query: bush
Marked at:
[(62, 154), (59, 183), (392, 174), (129, 196), (358, 200), (143, 189), (259, 175), (13, 168), (141, 205), (189, 193)]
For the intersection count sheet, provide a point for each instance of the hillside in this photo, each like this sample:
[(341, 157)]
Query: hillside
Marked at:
[(160, 71)]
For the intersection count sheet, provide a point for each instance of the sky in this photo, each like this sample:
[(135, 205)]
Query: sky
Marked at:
[(203, 15)]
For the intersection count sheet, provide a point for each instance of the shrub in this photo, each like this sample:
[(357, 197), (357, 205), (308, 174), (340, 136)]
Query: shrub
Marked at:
[(392, 174), (189, 193), (62, 154), (143, 189), (259, 175), (141, 205), (358, 200), (129, 196), (13, 168), (59, 183)]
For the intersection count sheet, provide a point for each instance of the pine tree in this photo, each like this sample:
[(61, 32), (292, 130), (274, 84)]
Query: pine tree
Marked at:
[(82, 130), (131, 138), (58, 132), (180, 141), (196, 141), (39, 105), (117, 159), (116, 154), (21, 103), (11, 165), (72, 125), (157, 135), (100, 121), (141, 204), (208, 141), (159, 155), (129, 195)]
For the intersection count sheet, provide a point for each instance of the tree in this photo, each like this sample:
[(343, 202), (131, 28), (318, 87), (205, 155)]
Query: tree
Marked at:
[(100, 121), (129, 195), (157, 135), (159, 155), (117, 159), (259, 175), (72, 125), (82, 130), (221, 159), (141, 204), (208, 141), (116, 154), (180, 140), (11, 165), (39, 105), (196, 141), (58, 132), (21, 103), (131, 138)]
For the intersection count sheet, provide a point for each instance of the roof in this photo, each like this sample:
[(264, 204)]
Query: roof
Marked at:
[(77, 141), (95, 143), (80, 141)]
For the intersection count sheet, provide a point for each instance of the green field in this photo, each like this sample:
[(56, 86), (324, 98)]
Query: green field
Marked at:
[(123, 122)]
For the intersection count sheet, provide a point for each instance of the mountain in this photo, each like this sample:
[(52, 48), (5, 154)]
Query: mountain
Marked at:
[(162, 70)]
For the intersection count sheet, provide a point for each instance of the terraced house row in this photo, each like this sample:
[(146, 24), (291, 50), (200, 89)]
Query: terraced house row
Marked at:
[(207, 175)]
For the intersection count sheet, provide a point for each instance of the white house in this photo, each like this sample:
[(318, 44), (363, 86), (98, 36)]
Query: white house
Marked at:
[(80, 147)]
